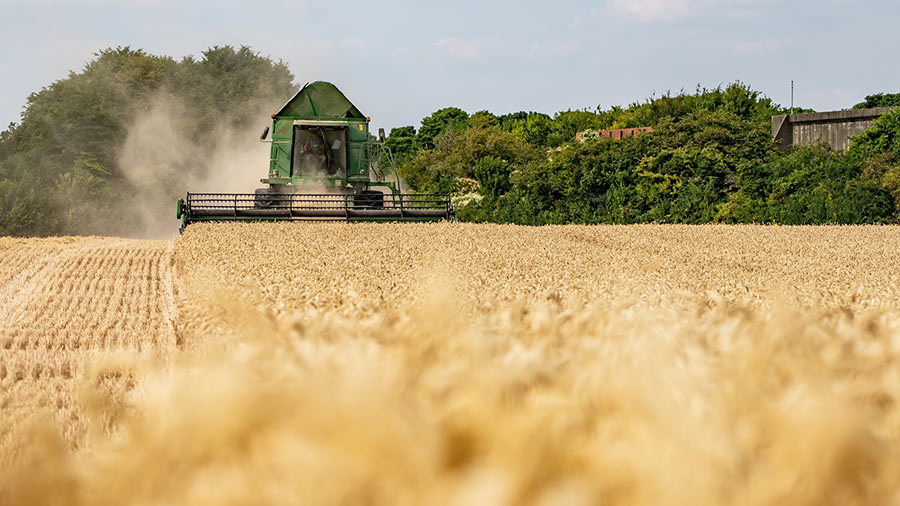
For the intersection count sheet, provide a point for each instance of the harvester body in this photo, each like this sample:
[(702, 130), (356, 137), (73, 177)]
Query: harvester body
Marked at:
[(320, 141), (323, 165)]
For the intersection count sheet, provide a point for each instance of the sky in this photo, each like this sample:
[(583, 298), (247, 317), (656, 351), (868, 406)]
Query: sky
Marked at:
[(399, 60)]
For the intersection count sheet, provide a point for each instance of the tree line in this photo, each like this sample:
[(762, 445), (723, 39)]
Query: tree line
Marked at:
[(709, 159), (61, 169)]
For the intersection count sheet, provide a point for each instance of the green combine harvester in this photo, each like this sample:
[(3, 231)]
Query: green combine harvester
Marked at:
[(324, 166)]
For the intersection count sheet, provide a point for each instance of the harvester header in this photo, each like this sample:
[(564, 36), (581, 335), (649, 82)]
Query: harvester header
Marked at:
[(323, 165)]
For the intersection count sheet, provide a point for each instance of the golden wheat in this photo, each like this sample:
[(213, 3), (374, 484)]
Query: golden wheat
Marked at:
[(481, 364)]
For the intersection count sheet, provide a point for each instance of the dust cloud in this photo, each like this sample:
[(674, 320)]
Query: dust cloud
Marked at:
[(162, 161), (163, 157)]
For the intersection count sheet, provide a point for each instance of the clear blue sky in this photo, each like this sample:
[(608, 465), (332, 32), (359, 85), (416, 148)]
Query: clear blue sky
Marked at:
[(400, 60)]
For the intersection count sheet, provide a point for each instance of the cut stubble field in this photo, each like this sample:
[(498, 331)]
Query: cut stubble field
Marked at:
[(70, 306), (453, 364)]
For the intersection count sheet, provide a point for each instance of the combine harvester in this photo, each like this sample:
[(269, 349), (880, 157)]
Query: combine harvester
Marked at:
[(324, 166)]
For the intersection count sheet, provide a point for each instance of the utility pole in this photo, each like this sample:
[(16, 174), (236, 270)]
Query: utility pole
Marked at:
[(792, 96)]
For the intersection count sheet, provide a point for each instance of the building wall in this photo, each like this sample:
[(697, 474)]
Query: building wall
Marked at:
[(833, 128)]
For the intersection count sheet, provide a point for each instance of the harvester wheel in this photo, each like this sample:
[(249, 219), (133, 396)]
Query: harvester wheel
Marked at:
[(262, 200), (369, 199)]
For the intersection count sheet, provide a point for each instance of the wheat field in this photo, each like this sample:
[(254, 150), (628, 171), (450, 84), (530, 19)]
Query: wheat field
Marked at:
[(453, 364)]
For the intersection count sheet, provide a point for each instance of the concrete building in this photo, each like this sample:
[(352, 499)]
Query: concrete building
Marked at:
[(834, 128)]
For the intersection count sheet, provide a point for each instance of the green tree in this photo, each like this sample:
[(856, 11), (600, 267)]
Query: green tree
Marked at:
[(534, 127), (437, 123), (702, 160), (879, 100), (590, 182), (567, 123), (483, 119), (458, 150), (492, 174), (882, 137), (402, 143), (60, 167), (814, 184), (878, 150), (230, 87), (82, 117)]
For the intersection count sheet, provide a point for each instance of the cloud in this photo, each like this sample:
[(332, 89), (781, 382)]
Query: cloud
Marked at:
[(447, 41), (829, 98), (580, 19), (759, 46), (743, 14), (354, 42), (650, 10), (554, 49), (469, 50), (84, 3), (666, 10)]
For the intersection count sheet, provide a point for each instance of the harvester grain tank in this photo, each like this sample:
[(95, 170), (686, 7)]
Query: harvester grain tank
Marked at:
[(324, 165)]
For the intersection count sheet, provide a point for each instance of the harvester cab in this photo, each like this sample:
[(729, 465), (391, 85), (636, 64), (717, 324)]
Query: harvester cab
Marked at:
[(323, 165)]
